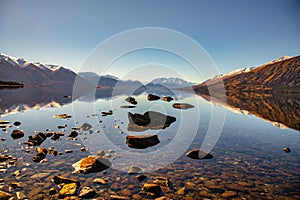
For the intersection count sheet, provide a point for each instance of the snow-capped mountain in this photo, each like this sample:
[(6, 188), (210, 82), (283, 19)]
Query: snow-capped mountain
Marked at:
[(33, 73), (172, 83)]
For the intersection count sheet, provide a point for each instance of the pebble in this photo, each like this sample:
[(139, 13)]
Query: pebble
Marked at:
[(100, 181), (68, 190), (87, 192), (287, 150), (153, 189), (134, 170)]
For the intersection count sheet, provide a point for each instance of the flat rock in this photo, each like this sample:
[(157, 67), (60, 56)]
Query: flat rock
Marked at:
[(91, 164), (150, 120), (4, 195), (198, 154), (142, 141), (162, 181), (100, 181), (39, 176), (115, 197), (182, 106), (86, 127), (229, 194), (68, 189), (17, 134)]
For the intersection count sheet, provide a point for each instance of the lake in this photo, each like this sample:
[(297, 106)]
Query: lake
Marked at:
[(249, 161)]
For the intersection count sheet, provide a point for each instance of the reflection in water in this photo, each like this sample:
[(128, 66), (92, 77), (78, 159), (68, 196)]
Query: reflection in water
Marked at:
[(281, 110), (149, 120)]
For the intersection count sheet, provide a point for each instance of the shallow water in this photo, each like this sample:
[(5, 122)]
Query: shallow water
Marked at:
[(249, 161)]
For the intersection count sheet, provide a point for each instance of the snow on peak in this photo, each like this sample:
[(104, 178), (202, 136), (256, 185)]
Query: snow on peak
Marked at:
[(282, 58)]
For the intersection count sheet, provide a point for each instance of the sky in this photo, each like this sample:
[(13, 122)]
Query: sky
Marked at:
[(234, 33)]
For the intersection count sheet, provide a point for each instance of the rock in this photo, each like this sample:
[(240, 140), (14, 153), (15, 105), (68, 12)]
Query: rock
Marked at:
[(127, 106), (4, 195), (86, 127), (52, 191), (115, 197), (68, 189), (117, 126), (153, 189), (100, 153), (3, 158), (62, 126), (42, 150), (149, 120), (62, 180), (287, 150), (100, 181), (83, 149), (21, 195), (17, 134), (37, 139), (198, 154), (17, 173), (163, 198), (152, 97), (73, 134), (39, 175), (62, 116), (15, 185), (162, 181), (142, 141), (182, 106), (38, 157), (105, 113), (168, 99), (181, 191), (17, 123), (91, 164), (87, 192), (53, 152), (2, 139), (67, 97), (4, 122), (134, 169), (131, 100), (141, 177), (68, 151), (229, 194)]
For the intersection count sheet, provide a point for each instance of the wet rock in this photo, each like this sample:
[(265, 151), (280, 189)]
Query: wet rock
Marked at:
[(68, 189), (152, 97), (21, 195), (67, 97), (91, 164), (68, 151), (63, 180), (149, 120), (86, 127), (168, 99), (115, 197), (4, 195), (52, 191), (37, 139), (53, 152), (87, 192), (62, 116), (229, 194), (287, 150), (142, 141), (127, 106), (62, 126), (198, 154), (131, 100), (105, 113), (100, 181), (77, 128), (153, 189), (100, 153), (17, 134), (182, 106), (38, 157), (134, 169), (162, 181), (141, 177), (17, 123)]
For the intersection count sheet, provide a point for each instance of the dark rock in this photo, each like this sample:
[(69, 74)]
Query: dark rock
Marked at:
[(38, 157), (86, 127), (62, 180), (73, 134), (142, 141), (87, 192), (68, 151), (91, 164), (149, 120), (141, 177), (198, 154), (3, 158), (168, 99), (62, 126), (52, 191), (17, 123), (52, 152), (152, 97), (17, 134), (131, 100), (287, 150), (153, 189), (127, 106), (182, 106), (37, 139), (105, 113)]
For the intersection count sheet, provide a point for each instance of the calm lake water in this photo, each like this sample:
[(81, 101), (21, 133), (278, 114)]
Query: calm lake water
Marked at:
[(248, 158)]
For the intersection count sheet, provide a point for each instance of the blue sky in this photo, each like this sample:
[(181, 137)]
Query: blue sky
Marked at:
[(235, 33)]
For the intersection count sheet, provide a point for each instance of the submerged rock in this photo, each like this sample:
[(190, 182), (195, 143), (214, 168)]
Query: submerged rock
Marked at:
[(91, 164), (161, 181), (153, 189), (141, 177), (149, 120), (37, 139), (168, 99), (182, 106), (152, 97), (86, 127), (38, 157), (17, 134), (131, 100), (198, 154), (100, 181), (287, 150), (115, 197), (142, 141), (127, 106)]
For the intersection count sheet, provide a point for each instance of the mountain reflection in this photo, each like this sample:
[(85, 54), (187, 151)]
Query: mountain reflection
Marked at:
[(280, 109)]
